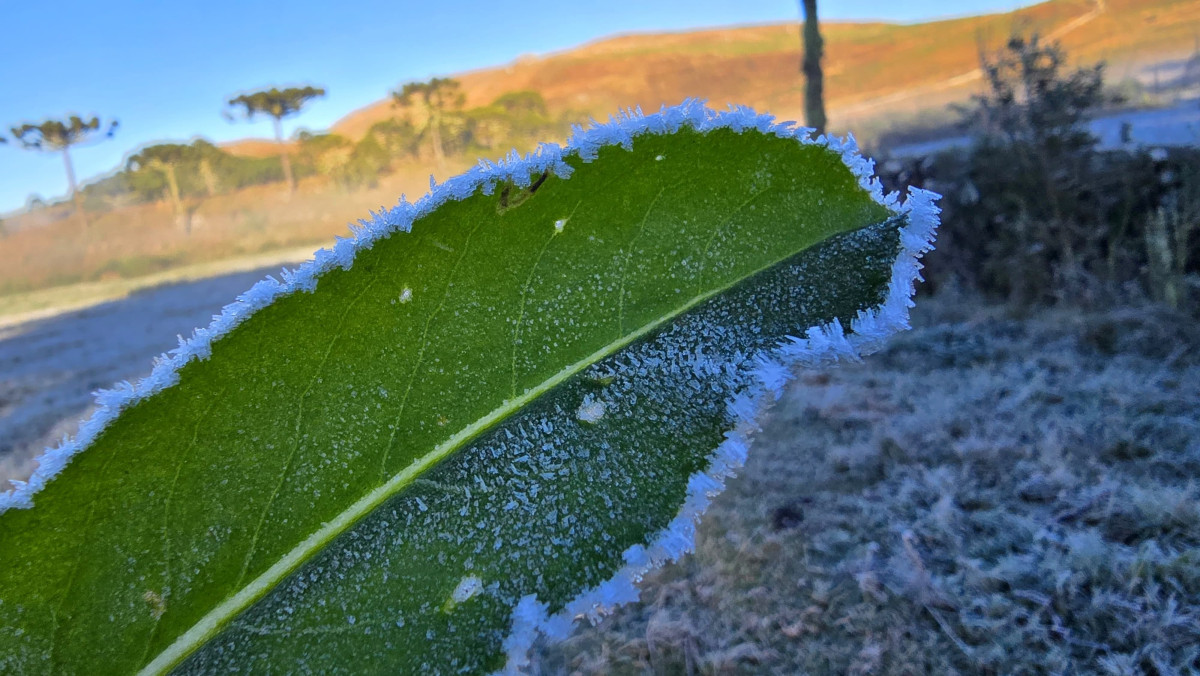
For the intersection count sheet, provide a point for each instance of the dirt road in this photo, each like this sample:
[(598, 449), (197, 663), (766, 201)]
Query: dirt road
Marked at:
[(51, 366)]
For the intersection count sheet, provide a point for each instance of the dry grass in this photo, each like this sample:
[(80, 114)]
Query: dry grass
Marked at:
[(143, 240), (990, 495)]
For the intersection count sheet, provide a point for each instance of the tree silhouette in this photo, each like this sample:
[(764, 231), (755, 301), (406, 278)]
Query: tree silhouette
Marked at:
[(328, 154), (164, 158), (57, 136), (814, 89), (277, 104), (438, 96)]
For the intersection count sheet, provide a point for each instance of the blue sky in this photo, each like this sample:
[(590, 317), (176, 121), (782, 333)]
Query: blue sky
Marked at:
[(165, 68)]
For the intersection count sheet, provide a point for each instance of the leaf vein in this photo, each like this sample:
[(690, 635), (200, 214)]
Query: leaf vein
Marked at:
[(717, 230), (166, 529), (421, 353), (287, 467), (103, 472), (628, 257), (524, 295)]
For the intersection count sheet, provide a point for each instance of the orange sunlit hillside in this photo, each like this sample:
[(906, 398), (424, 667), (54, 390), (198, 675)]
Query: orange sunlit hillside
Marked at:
[(866, 63)]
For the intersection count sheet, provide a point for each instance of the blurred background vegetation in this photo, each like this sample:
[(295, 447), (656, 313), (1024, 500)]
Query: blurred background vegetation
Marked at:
[(1038, 208), (1036, 212)]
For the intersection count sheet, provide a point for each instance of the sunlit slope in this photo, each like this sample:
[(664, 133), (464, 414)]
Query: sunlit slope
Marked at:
[(869, 66)]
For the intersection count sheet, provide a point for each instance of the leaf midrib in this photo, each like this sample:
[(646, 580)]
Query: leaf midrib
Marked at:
[(213, 621)]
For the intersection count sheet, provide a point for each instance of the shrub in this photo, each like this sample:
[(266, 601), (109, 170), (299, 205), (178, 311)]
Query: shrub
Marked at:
[(368, 160), (326, 154), (1036, 212)]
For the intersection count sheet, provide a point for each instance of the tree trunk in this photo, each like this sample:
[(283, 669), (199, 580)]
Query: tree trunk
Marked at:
[(181, 216), (173, 188), (76, 198), (283, 157), (814, 90), (210, 177), (435, 129)]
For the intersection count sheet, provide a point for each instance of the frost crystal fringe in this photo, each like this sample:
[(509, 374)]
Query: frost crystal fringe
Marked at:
[(821, 345)]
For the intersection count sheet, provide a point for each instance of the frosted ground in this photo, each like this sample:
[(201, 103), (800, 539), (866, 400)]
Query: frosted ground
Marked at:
[(1177, 125), (989, 493)]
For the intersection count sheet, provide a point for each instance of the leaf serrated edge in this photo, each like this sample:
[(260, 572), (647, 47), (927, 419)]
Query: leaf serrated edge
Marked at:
[(822, 344)]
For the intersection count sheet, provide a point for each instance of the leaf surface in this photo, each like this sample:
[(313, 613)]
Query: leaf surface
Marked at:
[(491, 422)]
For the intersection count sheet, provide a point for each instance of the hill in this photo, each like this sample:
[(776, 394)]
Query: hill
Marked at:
[(252, 147), (871, 68)]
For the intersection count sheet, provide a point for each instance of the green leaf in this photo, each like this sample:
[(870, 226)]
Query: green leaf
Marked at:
[(435, 441)]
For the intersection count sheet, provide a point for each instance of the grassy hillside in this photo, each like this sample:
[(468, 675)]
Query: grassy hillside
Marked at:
[(146, 239), (870, 67)]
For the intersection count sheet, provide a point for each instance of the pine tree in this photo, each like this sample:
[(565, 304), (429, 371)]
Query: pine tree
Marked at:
[(439, 96)]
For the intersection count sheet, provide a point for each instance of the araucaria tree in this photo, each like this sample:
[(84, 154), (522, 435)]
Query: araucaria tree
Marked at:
[(438, 96), (814, 79), (164, 158), (59, 136), (277, 104)]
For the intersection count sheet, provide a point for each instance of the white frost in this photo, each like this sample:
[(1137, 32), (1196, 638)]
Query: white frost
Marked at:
[(590, 410), (467, 588), (822, 345), (620, 130)]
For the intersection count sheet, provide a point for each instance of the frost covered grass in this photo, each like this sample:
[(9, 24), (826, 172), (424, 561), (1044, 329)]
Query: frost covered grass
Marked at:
[(986, 495)]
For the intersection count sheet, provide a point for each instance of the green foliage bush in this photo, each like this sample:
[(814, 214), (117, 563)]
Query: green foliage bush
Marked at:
[(397, 136), (516, 119), (327, 154), (202, 169)]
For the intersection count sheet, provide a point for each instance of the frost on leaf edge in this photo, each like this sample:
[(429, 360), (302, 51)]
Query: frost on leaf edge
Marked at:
[(586, 142), (821, 346)]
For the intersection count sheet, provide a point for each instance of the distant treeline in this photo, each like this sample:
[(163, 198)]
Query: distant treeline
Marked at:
[(201, 170), (181, 173)]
